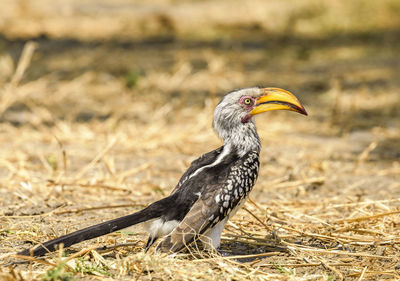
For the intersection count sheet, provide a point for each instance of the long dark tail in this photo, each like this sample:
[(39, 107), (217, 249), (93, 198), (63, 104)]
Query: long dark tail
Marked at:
[(155, 210)]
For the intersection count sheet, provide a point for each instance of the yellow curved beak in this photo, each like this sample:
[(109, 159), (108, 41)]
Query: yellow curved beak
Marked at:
[(277, 99)]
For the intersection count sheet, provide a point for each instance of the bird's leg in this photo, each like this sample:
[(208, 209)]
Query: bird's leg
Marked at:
[(149, 243), (212, 239)]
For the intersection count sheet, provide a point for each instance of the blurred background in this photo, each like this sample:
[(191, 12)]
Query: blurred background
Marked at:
[(141, 64), (339, 56), (108, 102)]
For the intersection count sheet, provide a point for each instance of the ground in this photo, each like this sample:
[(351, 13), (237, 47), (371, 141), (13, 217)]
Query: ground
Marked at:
[(98, 125)]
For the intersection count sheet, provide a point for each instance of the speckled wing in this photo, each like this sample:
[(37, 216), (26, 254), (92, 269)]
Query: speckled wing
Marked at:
[(214, 204)]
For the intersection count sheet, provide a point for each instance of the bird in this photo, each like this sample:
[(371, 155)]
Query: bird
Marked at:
[(212, 189)]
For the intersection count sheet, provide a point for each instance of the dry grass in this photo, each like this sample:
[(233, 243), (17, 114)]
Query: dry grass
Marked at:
[(78, 147), (211, 19)]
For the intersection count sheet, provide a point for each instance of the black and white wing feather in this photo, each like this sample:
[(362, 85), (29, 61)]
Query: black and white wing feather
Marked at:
[(218, 201), (204, 160)]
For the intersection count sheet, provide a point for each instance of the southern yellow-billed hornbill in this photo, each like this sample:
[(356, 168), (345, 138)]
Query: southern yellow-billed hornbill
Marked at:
[(212, 189)]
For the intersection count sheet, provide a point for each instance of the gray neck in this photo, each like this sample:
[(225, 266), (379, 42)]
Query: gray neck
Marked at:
[(243, 137)]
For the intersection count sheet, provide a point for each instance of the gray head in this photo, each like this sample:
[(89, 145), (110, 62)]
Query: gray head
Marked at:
[(233, 115)]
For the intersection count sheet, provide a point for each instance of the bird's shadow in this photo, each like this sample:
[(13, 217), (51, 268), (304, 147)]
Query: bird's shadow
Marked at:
[(245, 249)]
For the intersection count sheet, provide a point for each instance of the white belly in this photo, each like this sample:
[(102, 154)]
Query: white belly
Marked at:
[(159, 228), (212, 238)]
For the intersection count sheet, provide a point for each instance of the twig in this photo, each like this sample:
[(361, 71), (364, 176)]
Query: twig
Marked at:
[(33, 259), (23, 63), (33, 216), (255, 204), (105, 186), (257, 218), (391, 273), (247, 234), (64, 153), (78, 210), (317, 236), (110, 248), (304, 264), (331, 267), (96, 159), (336, 252), (362, 273), (365, 154), (242, 256), (80, 253), (291, 184), (250, 242), (368, 217), (334, 206), (124, 175)]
